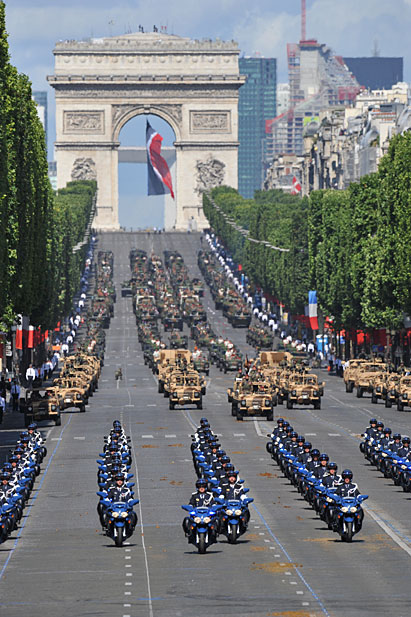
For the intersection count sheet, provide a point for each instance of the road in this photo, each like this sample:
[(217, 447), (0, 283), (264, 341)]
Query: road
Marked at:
[(59, 564)]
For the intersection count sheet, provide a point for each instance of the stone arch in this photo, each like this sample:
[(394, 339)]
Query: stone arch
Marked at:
[(121, 114), (102, 83)]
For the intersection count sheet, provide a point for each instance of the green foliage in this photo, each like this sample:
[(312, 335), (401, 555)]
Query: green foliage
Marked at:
[(38, 270), (273, 217), (352, 246)]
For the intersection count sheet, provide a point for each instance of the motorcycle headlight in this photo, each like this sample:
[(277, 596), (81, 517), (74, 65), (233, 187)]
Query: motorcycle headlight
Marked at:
[(344, 509), (30, 408), (229, 512), (353, 509), (207, 519), (403, 466), (124, 515), (267, 402), (115, 515), (237, 512), (197, 519), (384, 454), (329, 500)]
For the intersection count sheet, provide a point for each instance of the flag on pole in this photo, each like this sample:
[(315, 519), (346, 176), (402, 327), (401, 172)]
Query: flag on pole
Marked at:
[(19, 333), (158, 172), (30, 338), (312, 309), (296, 187)]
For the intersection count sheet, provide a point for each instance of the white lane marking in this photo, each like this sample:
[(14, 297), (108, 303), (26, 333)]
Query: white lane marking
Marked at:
[(299, 593), (128, 565), (128, 405), (118, 384), (127, 557), (170, 436), (127, 593), (394, 536), (56, 438), (305, 604), (128, 584), (267, 541), (257, 428), (131, 379), (287, 573), (334, 435), (311, 434), (293, 582), (152, 405), (104, 380), (129, 574), (143, 543), (239, 434), (48, 433), (80, 438), (261, 533), (147, 437)]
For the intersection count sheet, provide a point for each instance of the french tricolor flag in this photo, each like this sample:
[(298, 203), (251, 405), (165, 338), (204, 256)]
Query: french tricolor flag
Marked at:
[(158, 172), (312, 309)]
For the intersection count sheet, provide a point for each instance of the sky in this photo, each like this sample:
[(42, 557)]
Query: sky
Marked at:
[(350, 27)]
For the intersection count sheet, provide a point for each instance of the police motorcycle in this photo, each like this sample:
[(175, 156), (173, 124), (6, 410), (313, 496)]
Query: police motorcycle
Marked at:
[(348, 515), (203, 526), (120, 517), (234, 518)]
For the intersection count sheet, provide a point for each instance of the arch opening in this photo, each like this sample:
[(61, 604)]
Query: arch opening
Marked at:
[(137, 210)]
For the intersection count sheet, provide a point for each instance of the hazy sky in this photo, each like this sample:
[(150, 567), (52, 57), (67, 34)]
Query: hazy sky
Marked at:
[(350, 27)]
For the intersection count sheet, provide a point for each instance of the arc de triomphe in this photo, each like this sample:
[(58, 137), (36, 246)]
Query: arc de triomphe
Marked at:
[(100, 84)]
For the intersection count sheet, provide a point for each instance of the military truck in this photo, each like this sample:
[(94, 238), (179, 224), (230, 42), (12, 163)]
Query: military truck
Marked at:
[(304, 390), (41, 404), (246, 402), (186, 390), (365, 376), (404, 393)]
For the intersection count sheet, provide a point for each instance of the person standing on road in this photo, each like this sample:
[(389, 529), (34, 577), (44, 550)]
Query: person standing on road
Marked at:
[(15, 395), (30, 376)]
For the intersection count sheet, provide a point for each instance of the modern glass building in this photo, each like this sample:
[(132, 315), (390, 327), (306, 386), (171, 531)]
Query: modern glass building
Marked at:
[(257, 103), (40, 97)]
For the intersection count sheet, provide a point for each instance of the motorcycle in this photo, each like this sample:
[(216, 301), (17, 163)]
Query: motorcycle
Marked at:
[(348, 516), (202, 528), (234, 518), (120, 518)]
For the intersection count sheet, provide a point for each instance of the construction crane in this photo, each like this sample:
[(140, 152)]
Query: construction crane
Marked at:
[(303, 20)]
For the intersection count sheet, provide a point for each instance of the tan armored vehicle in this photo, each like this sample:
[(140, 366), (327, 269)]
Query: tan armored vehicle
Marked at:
[(365, 376), (351, 371), (169, 360), (379, 387), (252, 400), (304, 390), (404, 393), (185, 389), (41, 404), (73, 393), (391, 389)]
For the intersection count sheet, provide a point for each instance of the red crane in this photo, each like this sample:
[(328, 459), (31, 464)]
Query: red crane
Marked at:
[(303, 20)]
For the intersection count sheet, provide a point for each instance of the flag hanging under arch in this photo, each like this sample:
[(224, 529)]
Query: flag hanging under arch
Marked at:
[(159, 174)]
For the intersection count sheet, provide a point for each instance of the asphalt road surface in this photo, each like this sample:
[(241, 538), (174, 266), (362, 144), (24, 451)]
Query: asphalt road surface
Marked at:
[(289, 564)]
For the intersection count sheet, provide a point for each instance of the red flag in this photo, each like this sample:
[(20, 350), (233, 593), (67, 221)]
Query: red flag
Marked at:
[(158, 171), (19, 333), (30, 338)]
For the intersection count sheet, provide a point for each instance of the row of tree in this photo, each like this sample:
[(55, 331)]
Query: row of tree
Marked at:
[(38, 269), (352, 246)]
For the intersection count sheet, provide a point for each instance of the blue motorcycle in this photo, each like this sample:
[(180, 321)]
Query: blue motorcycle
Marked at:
[(120, 518), (234, 518), (202, 528), (348, 516)]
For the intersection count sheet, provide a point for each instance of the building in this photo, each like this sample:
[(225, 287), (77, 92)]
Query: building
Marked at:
[(318, 80), (257, 103), (283, 98), (345, 143), (40, 98), (376, 73)]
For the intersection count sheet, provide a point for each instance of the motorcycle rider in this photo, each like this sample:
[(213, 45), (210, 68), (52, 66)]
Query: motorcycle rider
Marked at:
[(231, 488), (405, 450), (320, 471), (201, 498), (312, 465), (278, 429), (305, 456), (331, 479), (371, 431), (347, 488)]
